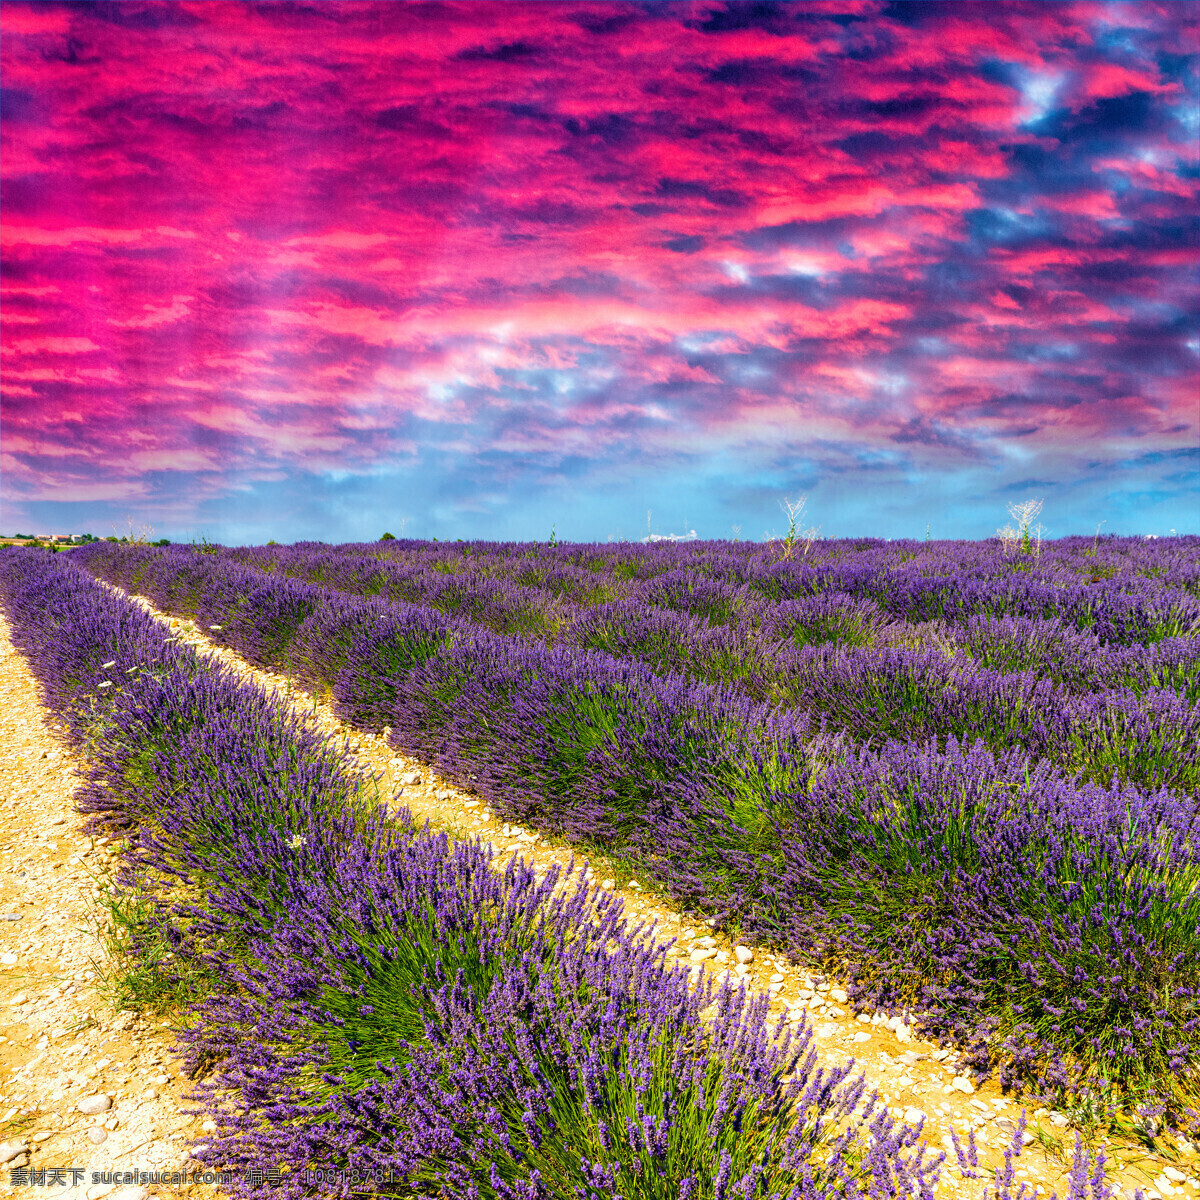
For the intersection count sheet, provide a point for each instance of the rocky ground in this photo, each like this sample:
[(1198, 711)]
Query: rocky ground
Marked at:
[(62, 1043), (86, 1094)]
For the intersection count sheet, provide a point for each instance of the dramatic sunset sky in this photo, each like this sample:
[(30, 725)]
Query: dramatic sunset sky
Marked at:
[(318, 270)]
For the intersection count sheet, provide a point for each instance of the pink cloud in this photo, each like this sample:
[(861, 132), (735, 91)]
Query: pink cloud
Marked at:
[(321, 238)]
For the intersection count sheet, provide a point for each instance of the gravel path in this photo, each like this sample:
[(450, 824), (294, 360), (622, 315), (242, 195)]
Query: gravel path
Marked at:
[(61, 1045), (64, 1043)]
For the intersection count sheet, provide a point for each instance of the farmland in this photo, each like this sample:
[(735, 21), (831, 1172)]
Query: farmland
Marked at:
[(962, 778)]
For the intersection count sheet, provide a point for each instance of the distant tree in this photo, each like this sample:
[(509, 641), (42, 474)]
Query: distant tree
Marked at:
[(112, 539), (388, 537), (162, 542)]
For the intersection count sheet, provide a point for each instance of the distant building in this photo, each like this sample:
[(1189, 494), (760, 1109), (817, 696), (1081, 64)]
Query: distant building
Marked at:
[(46, 539), (690, 536)]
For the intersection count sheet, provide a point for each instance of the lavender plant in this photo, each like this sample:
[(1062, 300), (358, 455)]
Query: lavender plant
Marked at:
[(1002, 831), (381, 1002)]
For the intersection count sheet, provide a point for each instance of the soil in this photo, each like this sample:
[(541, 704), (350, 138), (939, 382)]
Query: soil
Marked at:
[(60, 1039), (63, 1042)]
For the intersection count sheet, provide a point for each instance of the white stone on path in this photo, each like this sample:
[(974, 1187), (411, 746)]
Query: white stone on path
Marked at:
[(838, 995), (743, 954), (129, 1191), (963, 1084), (914, 1116), (91, 1105)]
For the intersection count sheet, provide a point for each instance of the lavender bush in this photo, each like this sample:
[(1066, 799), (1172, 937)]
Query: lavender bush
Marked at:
[(999, 839), (382, 1002)]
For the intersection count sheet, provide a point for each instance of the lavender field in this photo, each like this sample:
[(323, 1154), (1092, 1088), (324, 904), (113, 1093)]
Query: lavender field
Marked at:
[(961, 777)]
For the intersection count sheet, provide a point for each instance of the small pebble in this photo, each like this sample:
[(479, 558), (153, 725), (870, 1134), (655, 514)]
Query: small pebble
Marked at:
[(97, 1136), (9, 1150), (743, 954), (914, 1115), (129, 1191), (838, 995), (91, 1105), (963, 1084)]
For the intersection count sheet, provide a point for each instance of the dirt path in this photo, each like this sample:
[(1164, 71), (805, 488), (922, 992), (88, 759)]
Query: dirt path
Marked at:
[(65, 1044), (60, 1041)]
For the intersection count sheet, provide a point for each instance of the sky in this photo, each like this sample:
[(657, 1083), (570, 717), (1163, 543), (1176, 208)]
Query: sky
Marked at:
[(492, 270)]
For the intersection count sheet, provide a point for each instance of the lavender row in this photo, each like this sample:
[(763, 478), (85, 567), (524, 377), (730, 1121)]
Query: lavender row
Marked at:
[(827, 656), (590, 611), (374, 999), (1126, 591), (1045, 924)]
